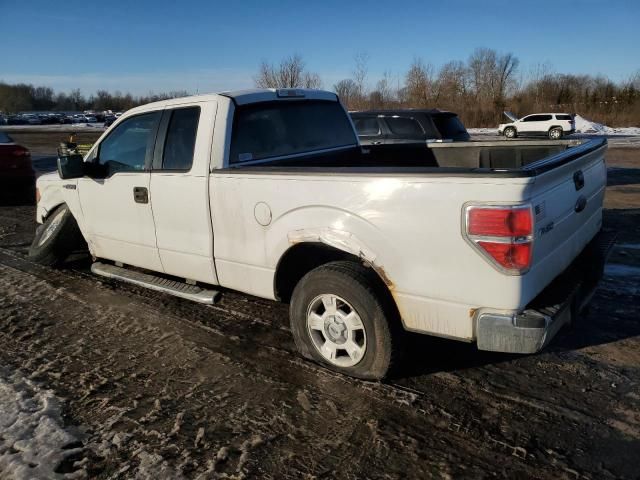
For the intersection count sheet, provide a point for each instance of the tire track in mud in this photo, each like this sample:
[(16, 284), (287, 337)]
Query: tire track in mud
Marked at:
[(449, 423)]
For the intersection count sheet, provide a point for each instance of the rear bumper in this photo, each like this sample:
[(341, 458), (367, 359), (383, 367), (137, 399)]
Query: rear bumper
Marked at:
[(532, 329)]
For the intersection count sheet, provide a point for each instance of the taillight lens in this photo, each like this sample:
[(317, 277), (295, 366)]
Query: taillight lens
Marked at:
[(20, 152), (504, 235), (512, 256), (501, 222)]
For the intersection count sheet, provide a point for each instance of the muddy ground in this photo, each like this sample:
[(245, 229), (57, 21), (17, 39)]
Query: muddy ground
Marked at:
[(158, 387)]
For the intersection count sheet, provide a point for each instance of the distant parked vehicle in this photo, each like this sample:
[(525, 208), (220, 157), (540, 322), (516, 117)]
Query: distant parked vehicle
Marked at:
[(16, 120), (552, 125), (79, 118), (32, 119), (16, 171), (50, 119), (109, 119), (378, 127)]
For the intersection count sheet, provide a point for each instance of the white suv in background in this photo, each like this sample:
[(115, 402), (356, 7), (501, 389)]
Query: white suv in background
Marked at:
[(553, 125)]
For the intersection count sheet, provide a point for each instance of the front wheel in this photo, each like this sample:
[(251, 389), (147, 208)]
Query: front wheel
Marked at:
[(56, 238), (341, 317), (555, 133), (510, 132)]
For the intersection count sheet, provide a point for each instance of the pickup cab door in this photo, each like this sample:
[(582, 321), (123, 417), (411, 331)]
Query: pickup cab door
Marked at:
[(179, 191), (115, 200)]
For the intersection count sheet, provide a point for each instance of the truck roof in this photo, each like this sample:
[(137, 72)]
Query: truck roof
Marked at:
[(243, 97), (403, 111)]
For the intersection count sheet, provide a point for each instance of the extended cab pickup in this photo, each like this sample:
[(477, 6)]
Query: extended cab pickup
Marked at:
[(269, 192)]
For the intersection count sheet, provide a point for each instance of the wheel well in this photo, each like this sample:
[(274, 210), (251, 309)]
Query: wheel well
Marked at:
[(53, 209), (301, 258), (554, 127)]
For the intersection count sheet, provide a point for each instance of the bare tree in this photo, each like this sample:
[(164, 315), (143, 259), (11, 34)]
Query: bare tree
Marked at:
[(360, 76), (384, 95), (506, 67), (290, 73), (347, 91), (419, 85)]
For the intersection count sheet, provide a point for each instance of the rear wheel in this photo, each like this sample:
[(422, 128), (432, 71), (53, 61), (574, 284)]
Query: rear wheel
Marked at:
[(56, 238), (342, 318), (555, 133), (510, 132)]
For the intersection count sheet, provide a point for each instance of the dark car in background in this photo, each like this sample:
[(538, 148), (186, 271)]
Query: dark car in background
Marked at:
[(109, 119), (383, 127), (16, 171)]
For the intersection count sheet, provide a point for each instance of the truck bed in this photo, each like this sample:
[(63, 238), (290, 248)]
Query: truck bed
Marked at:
[(513, 158)]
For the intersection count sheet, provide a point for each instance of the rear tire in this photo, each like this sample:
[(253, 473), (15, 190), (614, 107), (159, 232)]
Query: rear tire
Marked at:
[(343, 318), (555, 133), (510, 132), (56, 238)]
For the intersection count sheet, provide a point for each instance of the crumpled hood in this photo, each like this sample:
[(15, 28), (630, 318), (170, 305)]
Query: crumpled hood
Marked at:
[(510, 116)]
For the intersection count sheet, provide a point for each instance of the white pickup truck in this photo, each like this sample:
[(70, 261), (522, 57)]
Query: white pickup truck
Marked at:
[(268, 192)]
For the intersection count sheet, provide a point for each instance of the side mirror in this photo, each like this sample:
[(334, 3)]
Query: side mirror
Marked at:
[(71, 166)]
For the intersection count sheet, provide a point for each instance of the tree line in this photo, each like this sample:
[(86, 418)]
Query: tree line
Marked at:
[(478, 89), (24, 97)]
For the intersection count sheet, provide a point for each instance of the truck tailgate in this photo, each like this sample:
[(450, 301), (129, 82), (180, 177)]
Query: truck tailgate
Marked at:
[(567, 200)]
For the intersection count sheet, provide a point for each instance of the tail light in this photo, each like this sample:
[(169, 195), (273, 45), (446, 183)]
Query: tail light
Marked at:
[(502, 234), (20, 152)]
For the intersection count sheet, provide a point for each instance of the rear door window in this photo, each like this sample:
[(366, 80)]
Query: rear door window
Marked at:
[(537, 118), (405, 127), (367, 126), (283, 128), (180, 141)]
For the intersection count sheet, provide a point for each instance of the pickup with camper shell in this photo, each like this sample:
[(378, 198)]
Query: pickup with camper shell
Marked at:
[(269, 192)]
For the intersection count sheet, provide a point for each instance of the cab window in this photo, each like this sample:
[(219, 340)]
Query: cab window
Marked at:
[(181, 139), (129, 144)]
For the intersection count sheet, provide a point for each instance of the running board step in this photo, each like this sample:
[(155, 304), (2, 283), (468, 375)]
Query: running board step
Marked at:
[(178, 289)]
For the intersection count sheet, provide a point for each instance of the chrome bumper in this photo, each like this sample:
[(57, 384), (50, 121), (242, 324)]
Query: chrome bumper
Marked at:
[(532, 329)]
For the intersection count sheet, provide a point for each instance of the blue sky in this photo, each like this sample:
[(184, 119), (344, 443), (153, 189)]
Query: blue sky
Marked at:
[(197, 45)]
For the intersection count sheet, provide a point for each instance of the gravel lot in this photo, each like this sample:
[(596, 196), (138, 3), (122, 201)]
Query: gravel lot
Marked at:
[(150, 386)]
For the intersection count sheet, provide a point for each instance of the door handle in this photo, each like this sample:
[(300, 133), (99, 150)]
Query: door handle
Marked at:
[(581, 203), (141, 194), (578, 179)]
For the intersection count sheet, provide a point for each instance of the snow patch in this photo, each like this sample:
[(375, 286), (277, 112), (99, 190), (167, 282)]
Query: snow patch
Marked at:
[(482, 131), (586, 126), (33, 440)]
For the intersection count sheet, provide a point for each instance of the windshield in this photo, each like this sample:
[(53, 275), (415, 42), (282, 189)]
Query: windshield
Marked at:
[(4, 138), (276, 129)]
